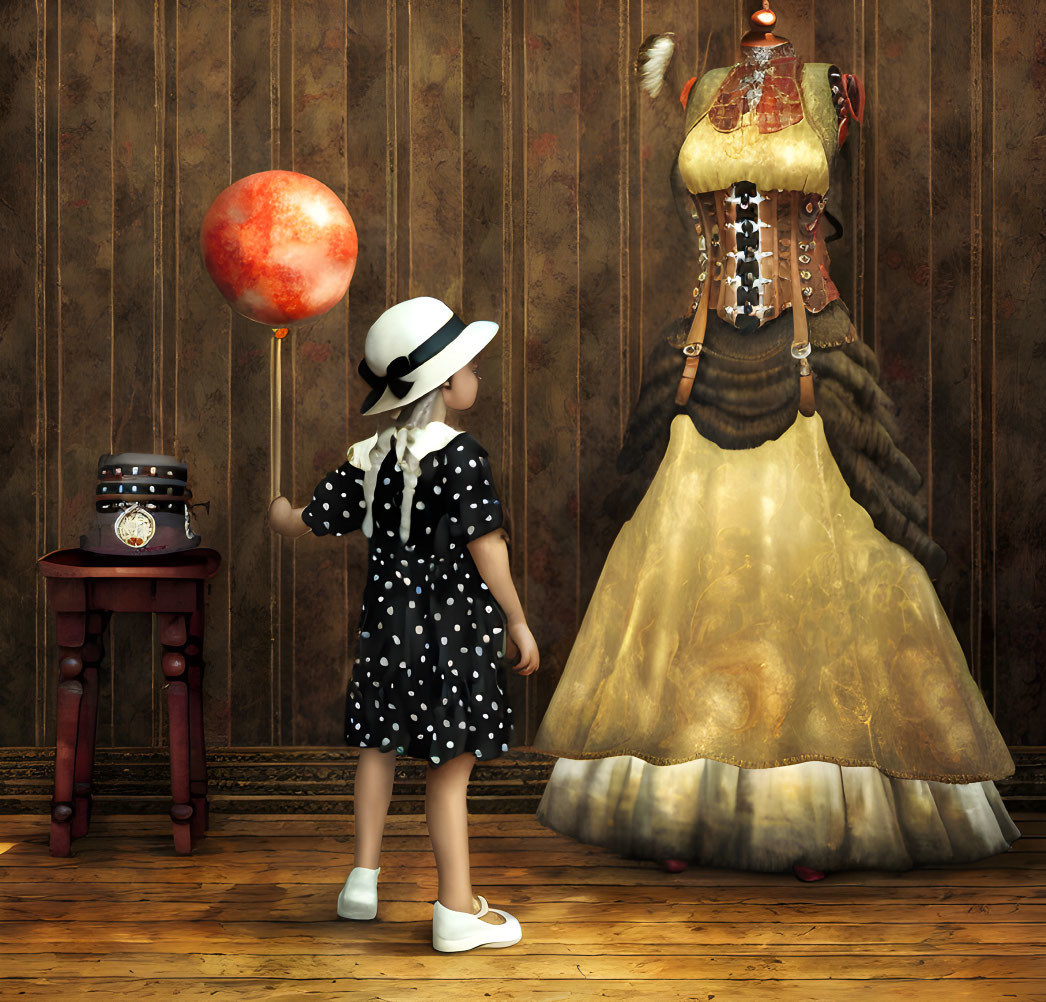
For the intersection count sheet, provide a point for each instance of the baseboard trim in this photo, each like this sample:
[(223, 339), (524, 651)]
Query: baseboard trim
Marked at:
[(264, 780), (276, 780)]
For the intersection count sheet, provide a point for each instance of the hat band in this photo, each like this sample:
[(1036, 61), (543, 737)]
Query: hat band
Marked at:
[(397, 371)]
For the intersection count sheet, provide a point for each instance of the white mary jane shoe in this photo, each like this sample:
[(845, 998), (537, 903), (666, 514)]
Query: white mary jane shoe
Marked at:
[(453, 932), (359, 896)]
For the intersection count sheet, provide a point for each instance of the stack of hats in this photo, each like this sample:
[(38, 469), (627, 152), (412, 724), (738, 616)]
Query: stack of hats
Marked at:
[(141, 506)]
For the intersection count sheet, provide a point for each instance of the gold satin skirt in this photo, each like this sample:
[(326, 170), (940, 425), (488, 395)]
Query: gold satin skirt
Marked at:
[(763, 680), (750, 613)]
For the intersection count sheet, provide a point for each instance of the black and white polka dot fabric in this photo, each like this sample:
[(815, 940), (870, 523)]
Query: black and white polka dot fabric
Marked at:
[(429, 680)]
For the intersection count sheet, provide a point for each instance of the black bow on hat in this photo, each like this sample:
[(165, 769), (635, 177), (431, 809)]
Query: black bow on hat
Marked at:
[(396, 372)]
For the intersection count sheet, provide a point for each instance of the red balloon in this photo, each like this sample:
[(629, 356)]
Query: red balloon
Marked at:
[(280, 246)]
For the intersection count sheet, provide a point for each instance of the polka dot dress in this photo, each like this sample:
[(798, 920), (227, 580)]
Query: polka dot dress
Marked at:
[(429, 679)]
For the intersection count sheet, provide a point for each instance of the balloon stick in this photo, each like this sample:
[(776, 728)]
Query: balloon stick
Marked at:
[(276, 407)]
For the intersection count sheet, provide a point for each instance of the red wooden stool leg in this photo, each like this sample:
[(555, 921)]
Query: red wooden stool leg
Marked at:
[(70, 694), (197, 754), (172, 628), (197, 747), (93, 651)]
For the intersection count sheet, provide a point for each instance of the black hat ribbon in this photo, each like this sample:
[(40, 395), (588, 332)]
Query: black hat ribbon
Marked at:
[(397, 371)]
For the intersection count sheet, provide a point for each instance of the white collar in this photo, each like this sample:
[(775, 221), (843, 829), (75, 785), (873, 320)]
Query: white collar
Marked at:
[(418, 441), (412, 444)]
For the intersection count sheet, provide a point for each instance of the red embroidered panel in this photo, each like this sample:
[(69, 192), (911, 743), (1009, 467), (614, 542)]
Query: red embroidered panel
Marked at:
[(730, 104), (779, 104)]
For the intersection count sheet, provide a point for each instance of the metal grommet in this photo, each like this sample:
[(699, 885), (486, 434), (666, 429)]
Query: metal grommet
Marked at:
[(701, 278), (807, 291), (805, 276), (800, 350), (804, 258), (692, 350)]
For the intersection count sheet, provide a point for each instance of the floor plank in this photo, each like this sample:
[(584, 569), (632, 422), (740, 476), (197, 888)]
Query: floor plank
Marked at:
[(130, 903), (277, 825), (416, 960), (523, 989), (542, 937)]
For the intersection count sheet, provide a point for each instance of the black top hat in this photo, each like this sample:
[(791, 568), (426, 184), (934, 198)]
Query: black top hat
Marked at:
[(141, 506)]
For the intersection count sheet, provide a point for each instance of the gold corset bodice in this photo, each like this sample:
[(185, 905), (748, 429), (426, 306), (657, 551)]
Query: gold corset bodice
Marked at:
[(773, 122)]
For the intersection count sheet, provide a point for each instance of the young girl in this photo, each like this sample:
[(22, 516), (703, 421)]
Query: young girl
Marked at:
[(437, 604)]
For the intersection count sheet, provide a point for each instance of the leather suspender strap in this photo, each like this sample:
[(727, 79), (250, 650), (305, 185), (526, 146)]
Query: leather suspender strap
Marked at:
[(692, 348), (800, 332), (696, 338)]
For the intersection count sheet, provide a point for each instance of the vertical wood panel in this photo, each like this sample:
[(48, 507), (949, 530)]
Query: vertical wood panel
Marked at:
[(551, 444), (865, 306), (666, 262), (904, 237), (435, 151), (482, 223), (202, 363), (133, 228), (951, 193), (982, 456), (49, 478), (165, 209), (795, 21), (248, 563), (719, 33), (86, 255), (398, 116), (319, 390), (632, 214), (19, 266), (604, 37), (1019, 375)]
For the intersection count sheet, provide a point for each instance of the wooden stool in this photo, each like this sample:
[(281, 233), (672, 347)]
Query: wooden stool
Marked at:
[(83, 589)]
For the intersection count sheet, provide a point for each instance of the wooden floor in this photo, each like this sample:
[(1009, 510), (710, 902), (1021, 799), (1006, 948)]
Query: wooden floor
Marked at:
[(251, 915)]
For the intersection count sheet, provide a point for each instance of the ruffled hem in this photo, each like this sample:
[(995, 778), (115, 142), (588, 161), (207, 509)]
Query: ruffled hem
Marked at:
[(484, 752), (816, 814)]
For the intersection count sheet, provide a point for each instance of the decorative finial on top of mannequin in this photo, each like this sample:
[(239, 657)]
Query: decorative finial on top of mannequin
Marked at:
[(761, 33)]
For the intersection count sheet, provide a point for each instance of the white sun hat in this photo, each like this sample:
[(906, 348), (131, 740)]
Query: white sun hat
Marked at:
[(414, 347)]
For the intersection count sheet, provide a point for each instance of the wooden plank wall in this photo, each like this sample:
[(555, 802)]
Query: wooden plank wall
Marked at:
[(494, 153)]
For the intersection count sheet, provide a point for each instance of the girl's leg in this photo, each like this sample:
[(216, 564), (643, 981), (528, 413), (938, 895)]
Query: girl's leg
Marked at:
[(446, 811), (373, 791)]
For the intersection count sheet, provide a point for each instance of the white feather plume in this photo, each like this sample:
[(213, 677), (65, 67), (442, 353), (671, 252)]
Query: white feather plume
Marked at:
[(652, 62)]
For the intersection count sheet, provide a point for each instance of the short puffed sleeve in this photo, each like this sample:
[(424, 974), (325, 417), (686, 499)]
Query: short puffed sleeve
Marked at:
[(472, 502), (337, 504)]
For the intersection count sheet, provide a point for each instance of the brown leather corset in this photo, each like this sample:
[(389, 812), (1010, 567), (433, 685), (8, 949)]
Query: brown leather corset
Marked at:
[(759, 255), (758, 246)]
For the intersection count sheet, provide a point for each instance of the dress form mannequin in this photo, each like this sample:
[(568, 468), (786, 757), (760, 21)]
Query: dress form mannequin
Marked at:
[(765, 678)]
